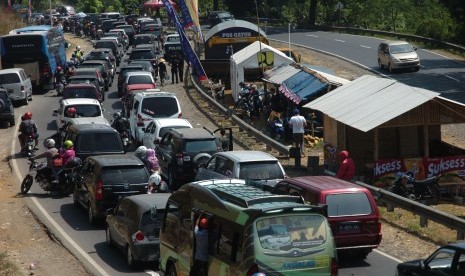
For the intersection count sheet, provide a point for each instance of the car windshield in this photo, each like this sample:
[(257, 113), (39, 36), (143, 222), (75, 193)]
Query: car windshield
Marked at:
[(125, 175), (80, 93), (85, 110), (284, 233), (9, 78), (201, 145), (140, 79), (348, 204), (260, 170), (160, 107), (402, 48)]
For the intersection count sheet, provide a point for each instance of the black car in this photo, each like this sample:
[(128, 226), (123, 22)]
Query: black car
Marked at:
[(103, 180), (94, 139), (122, 71), (180, 151), (103, 66), (447, 260), (134, 227), (7, 112), (216, 17)]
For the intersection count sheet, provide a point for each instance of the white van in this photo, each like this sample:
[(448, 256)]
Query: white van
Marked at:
[(149, 105), (17, 84)]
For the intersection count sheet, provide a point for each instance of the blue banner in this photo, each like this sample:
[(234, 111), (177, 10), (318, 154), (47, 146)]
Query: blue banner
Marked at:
[(189, 53), (186, 16)]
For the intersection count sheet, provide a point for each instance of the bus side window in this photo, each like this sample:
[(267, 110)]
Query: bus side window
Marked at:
[(230, 245)]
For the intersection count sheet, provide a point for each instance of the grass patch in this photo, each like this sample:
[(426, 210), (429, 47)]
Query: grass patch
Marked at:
[(410, 223), (7, 267)]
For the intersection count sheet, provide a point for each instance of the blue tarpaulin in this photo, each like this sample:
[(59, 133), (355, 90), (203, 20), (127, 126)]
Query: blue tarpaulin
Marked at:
[(301, 86)]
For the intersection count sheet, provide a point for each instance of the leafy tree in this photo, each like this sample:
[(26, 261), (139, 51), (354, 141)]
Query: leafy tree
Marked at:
[(90, 6)]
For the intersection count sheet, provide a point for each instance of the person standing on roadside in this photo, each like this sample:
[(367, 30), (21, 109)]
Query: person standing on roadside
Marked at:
[(298, 123), (181, 67), (347, 168), (162, 71), (174, 69)]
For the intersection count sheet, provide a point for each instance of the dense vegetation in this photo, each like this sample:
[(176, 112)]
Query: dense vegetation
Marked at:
[(439, 19)]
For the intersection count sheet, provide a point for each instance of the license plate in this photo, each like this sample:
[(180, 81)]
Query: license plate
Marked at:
[(349, 227)]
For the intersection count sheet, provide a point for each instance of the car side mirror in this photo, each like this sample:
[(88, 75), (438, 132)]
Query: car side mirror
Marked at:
[(55, 112)]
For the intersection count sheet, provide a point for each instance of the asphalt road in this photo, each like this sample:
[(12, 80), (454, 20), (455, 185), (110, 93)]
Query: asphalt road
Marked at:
[(437, 73), (87, 242)]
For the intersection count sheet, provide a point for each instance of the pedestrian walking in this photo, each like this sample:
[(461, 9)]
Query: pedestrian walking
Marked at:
[(181, 67), (162, 71), (174, 70), (298, 123)]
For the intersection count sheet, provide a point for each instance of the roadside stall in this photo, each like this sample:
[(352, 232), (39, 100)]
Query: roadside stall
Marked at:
[(390, 127)]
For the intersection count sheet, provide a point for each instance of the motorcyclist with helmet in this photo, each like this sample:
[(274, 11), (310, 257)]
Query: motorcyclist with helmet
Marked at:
[(28, 127), (59, 76), (79, 54), (51, 153), (120, 123), (67, 152), (156, 184)]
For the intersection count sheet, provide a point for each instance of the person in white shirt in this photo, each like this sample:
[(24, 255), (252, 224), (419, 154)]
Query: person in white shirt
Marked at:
[(298, 123)]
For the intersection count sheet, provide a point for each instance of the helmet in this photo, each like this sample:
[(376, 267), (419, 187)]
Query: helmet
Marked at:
[(49, 143), (59, 68), (155, 179), (140, 151), (78, 48), (68, 144), (27, 115), (203, 223), (117, 115), (71, 111), (74, 162)]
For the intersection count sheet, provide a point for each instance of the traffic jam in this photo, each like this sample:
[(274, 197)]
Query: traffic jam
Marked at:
[(170, 194)]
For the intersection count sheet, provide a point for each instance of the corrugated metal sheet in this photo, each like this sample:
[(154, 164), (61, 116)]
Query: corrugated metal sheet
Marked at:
[(279, 74), (304, 84), (369, 101)]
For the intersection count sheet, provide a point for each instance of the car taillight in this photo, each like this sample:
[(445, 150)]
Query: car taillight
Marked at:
[(99, 190), (140, 121), (139, 235), (252, 270), (379, 226), (334, 267), (180, 115)]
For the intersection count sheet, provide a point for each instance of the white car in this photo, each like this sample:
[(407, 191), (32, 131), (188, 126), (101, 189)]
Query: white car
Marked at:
[(85, 107), (17, 84), (158, 127), (149, 105)]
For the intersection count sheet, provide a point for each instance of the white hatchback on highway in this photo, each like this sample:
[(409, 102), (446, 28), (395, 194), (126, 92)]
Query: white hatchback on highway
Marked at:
[(158, 127), (85, 107)]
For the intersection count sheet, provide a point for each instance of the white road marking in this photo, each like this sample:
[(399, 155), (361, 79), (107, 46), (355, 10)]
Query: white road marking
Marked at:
[(84, 254), (152, 273), (451, 78), (338, 40), (364, 46), (312, 35), (388, 256)]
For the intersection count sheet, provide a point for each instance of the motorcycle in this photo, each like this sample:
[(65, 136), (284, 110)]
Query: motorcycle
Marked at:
[(29, 145), (276, 128), (60, 86), (43, 175), (418, 190), (125, 138)]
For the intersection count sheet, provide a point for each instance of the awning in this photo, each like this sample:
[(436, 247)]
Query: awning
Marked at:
[(279, 74), (156, 4), (301, 86)]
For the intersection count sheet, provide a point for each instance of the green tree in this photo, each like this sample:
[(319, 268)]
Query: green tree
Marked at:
[(90, 6)]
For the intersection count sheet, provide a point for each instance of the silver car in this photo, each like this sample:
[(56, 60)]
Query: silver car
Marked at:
[(398, 55), (262, 168)]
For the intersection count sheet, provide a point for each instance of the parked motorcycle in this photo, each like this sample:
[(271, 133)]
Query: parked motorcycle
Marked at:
[(418, 190), (29, 145), (43, 175)]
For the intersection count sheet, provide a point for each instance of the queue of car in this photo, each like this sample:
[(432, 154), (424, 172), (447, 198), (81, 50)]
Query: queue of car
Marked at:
[(286, 225)]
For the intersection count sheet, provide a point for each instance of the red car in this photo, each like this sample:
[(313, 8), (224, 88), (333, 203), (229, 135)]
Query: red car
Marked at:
[(352, 212), (82, 90)]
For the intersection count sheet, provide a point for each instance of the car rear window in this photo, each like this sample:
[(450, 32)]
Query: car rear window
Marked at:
[(142, 55), (348, 204), (140, 79), (142, 40), (164, 130), (124, 175), (160, 107), (107, 142), (260, 170), (9, 78), (85, 110), (80, 93), (284, 233), (150, 224), (200, 145)]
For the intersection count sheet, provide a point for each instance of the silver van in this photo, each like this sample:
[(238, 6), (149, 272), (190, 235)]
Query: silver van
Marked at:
[(17, 84), (398, 55)]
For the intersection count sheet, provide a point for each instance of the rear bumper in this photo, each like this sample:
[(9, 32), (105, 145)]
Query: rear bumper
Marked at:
[(358, 242)]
